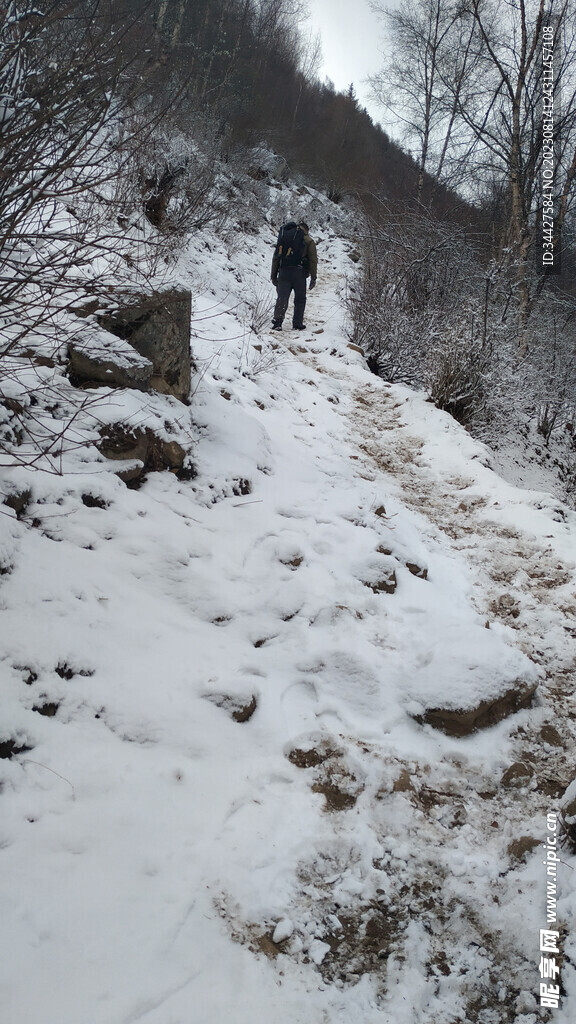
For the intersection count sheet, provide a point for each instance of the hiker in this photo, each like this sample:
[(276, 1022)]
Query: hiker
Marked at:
[(294, 260)]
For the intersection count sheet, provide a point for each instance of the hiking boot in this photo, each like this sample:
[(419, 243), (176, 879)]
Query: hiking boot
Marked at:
[(299, 327), (276, 325)]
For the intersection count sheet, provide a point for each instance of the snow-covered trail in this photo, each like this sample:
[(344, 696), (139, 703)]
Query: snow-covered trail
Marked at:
[(517, 551), (437, 471), (246, 822)]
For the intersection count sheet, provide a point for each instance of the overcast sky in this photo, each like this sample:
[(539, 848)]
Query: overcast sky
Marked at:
[(350, 41)]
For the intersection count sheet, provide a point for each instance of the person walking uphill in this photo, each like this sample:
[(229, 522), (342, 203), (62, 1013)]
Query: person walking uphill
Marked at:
[(294, 260)]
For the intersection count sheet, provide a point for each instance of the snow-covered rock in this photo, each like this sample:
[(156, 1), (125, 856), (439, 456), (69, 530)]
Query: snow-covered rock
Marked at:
[(98, 357)]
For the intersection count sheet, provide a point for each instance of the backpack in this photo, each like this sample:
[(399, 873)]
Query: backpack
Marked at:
[(290, 247)]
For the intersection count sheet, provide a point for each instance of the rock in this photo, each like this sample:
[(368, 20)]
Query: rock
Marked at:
[(86, 309), (385, 585), (517, 775), (13, 405), (158, 328), (468, 678), (292, 563), (506, 606), (464, 721), (18, 500), (121, 442), (98, 357), (93, 501), (549, 734), (48, 709), (417, 570), (239, 708), (551, 785), (265, 165), (284, 930), (11, 748)]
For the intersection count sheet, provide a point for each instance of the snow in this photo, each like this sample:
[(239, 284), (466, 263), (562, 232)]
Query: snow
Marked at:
[(103, 346), (162, 862)]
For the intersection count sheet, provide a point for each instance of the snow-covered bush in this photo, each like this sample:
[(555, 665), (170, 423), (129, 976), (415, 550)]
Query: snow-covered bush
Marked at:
[(259, 308), (391, 337), (458, 374), (551, 363), (413, 271), (429, 311), (181, 185)]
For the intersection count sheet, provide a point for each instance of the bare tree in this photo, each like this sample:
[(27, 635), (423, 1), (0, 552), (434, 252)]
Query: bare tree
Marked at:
[(71, 120), (67, 126), (472, 78), (509, 124), (310, 59), (432, 71), (418, 282)]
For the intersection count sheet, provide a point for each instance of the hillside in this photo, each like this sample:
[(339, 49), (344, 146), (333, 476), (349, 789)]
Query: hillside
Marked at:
[(238, 779)]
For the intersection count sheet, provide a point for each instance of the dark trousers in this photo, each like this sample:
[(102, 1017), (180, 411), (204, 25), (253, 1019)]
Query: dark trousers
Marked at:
[(291, 279)]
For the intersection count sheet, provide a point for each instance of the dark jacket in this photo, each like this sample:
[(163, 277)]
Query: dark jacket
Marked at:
[(310, 259)]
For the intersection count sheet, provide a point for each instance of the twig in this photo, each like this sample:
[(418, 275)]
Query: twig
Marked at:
[(28, 760)]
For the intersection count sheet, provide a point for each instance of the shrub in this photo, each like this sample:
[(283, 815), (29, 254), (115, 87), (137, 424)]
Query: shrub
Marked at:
[(458, 375)]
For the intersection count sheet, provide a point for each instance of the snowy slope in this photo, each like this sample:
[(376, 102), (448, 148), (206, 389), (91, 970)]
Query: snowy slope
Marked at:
[(227, 811)]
